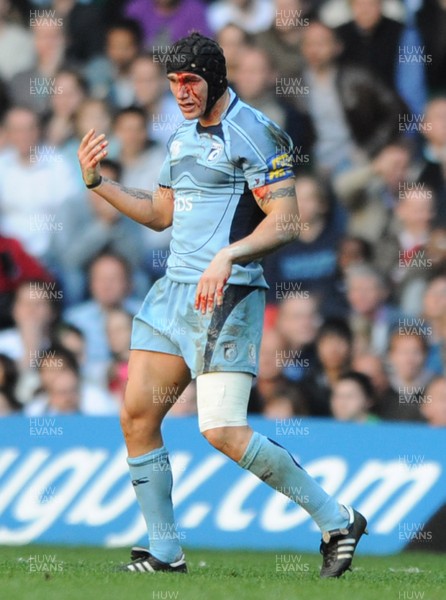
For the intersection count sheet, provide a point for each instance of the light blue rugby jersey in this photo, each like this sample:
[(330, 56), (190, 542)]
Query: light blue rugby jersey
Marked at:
[(212, 171)]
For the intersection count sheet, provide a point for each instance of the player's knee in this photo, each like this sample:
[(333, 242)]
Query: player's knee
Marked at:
[(139, 416), (139, 427), (125, 419), (128, 420)]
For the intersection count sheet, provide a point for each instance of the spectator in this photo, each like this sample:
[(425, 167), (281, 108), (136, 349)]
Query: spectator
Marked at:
[(402, 251), (256, 84), (109, 279), (8, 405), (4, 106), (16, 266), (62, 396), (95, 226), (34, 185), (434, 311), (109, 76), (353, 251), (370, 192), (354, 114), (151, 93), (298, 322), (19, 11), (70, 338), (91, 114), (142, 160), (34, 87), (371, 318), (72, 91), (34, 312), (371, 40), (411, 69), (436, 248), (84, 23), (373, 367), (165, 21), (119, 331), (434, 302), (282, 39), (253, 16), (352, 399), (233, 41), (309, 263), (408, 376), (270, 378), (140, 157), (336, 12), (431, 20), (8, 381), (334, 345), (92, 399), (288, 401), (16, 45), (433, 173), (434, 408)]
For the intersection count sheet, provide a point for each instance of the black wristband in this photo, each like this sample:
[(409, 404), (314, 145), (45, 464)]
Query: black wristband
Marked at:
[(98, 182)]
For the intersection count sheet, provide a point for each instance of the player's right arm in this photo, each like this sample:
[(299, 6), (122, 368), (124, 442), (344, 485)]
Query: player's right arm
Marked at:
[(152, 209)]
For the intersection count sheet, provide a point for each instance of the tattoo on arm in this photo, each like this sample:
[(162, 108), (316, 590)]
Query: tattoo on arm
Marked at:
[(263, 196), (135, 193)]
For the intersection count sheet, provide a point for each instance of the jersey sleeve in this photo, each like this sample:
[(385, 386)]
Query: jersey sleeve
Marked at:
[(265, 153)]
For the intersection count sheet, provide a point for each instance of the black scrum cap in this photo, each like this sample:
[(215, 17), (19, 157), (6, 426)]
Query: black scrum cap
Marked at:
[(201, 55)]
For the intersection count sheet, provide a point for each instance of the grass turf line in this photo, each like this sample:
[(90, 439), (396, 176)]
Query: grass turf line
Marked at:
[(88, 574)]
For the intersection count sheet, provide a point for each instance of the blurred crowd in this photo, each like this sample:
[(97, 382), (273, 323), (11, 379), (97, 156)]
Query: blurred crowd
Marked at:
[(355, 326)]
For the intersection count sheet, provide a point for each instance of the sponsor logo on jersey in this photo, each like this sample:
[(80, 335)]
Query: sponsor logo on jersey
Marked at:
[(279, 167)]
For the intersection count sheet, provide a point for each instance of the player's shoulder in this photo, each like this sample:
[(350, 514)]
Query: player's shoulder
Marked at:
[(250, 127), (247, 118), (184, 129)]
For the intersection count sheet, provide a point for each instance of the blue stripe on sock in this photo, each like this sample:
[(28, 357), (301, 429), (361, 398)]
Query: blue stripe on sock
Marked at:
[(292, 457)]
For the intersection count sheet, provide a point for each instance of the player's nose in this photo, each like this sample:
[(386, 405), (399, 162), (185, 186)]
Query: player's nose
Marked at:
[(182, 91)]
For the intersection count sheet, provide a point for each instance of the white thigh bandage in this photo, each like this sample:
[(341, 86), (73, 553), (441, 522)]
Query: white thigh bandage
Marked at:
[(222, 399)]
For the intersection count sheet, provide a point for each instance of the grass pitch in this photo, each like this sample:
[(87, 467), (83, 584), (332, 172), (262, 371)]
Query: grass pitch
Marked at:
[(66, 573)]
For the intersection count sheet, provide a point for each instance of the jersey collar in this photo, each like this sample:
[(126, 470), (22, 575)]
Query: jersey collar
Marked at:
[(217, 129)]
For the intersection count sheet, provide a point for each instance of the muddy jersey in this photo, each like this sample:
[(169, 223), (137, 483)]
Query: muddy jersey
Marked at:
[(212, 172)]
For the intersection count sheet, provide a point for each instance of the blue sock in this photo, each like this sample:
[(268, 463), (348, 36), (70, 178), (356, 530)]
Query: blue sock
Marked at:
[(152, 480), (275, 466)]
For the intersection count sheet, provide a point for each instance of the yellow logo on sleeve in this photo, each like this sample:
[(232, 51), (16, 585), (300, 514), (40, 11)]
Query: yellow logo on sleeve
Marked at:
[(280, 167)]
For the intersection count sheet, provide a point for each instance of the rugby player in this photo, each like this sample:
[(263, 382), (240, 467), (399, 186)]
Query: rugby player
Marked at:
[(227, 188)]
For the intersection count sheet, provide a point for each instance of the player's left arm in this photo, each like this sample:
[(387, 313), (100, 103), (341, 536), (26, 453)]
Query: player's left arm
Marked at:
[(279, 227)]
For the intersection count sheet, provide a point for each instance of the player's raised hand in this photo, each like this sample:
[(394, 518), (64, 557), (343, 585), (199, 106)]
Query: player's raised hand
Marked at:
[(91, 151), (210, 288)]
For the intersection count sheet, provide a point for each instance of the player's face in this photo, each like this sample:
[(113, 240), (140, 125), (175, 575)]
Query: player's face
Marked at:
[(190, 92)]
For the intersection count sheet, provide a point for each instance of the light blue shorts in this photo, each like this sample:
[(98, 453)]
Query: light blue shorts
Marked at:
[(228, 339)]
